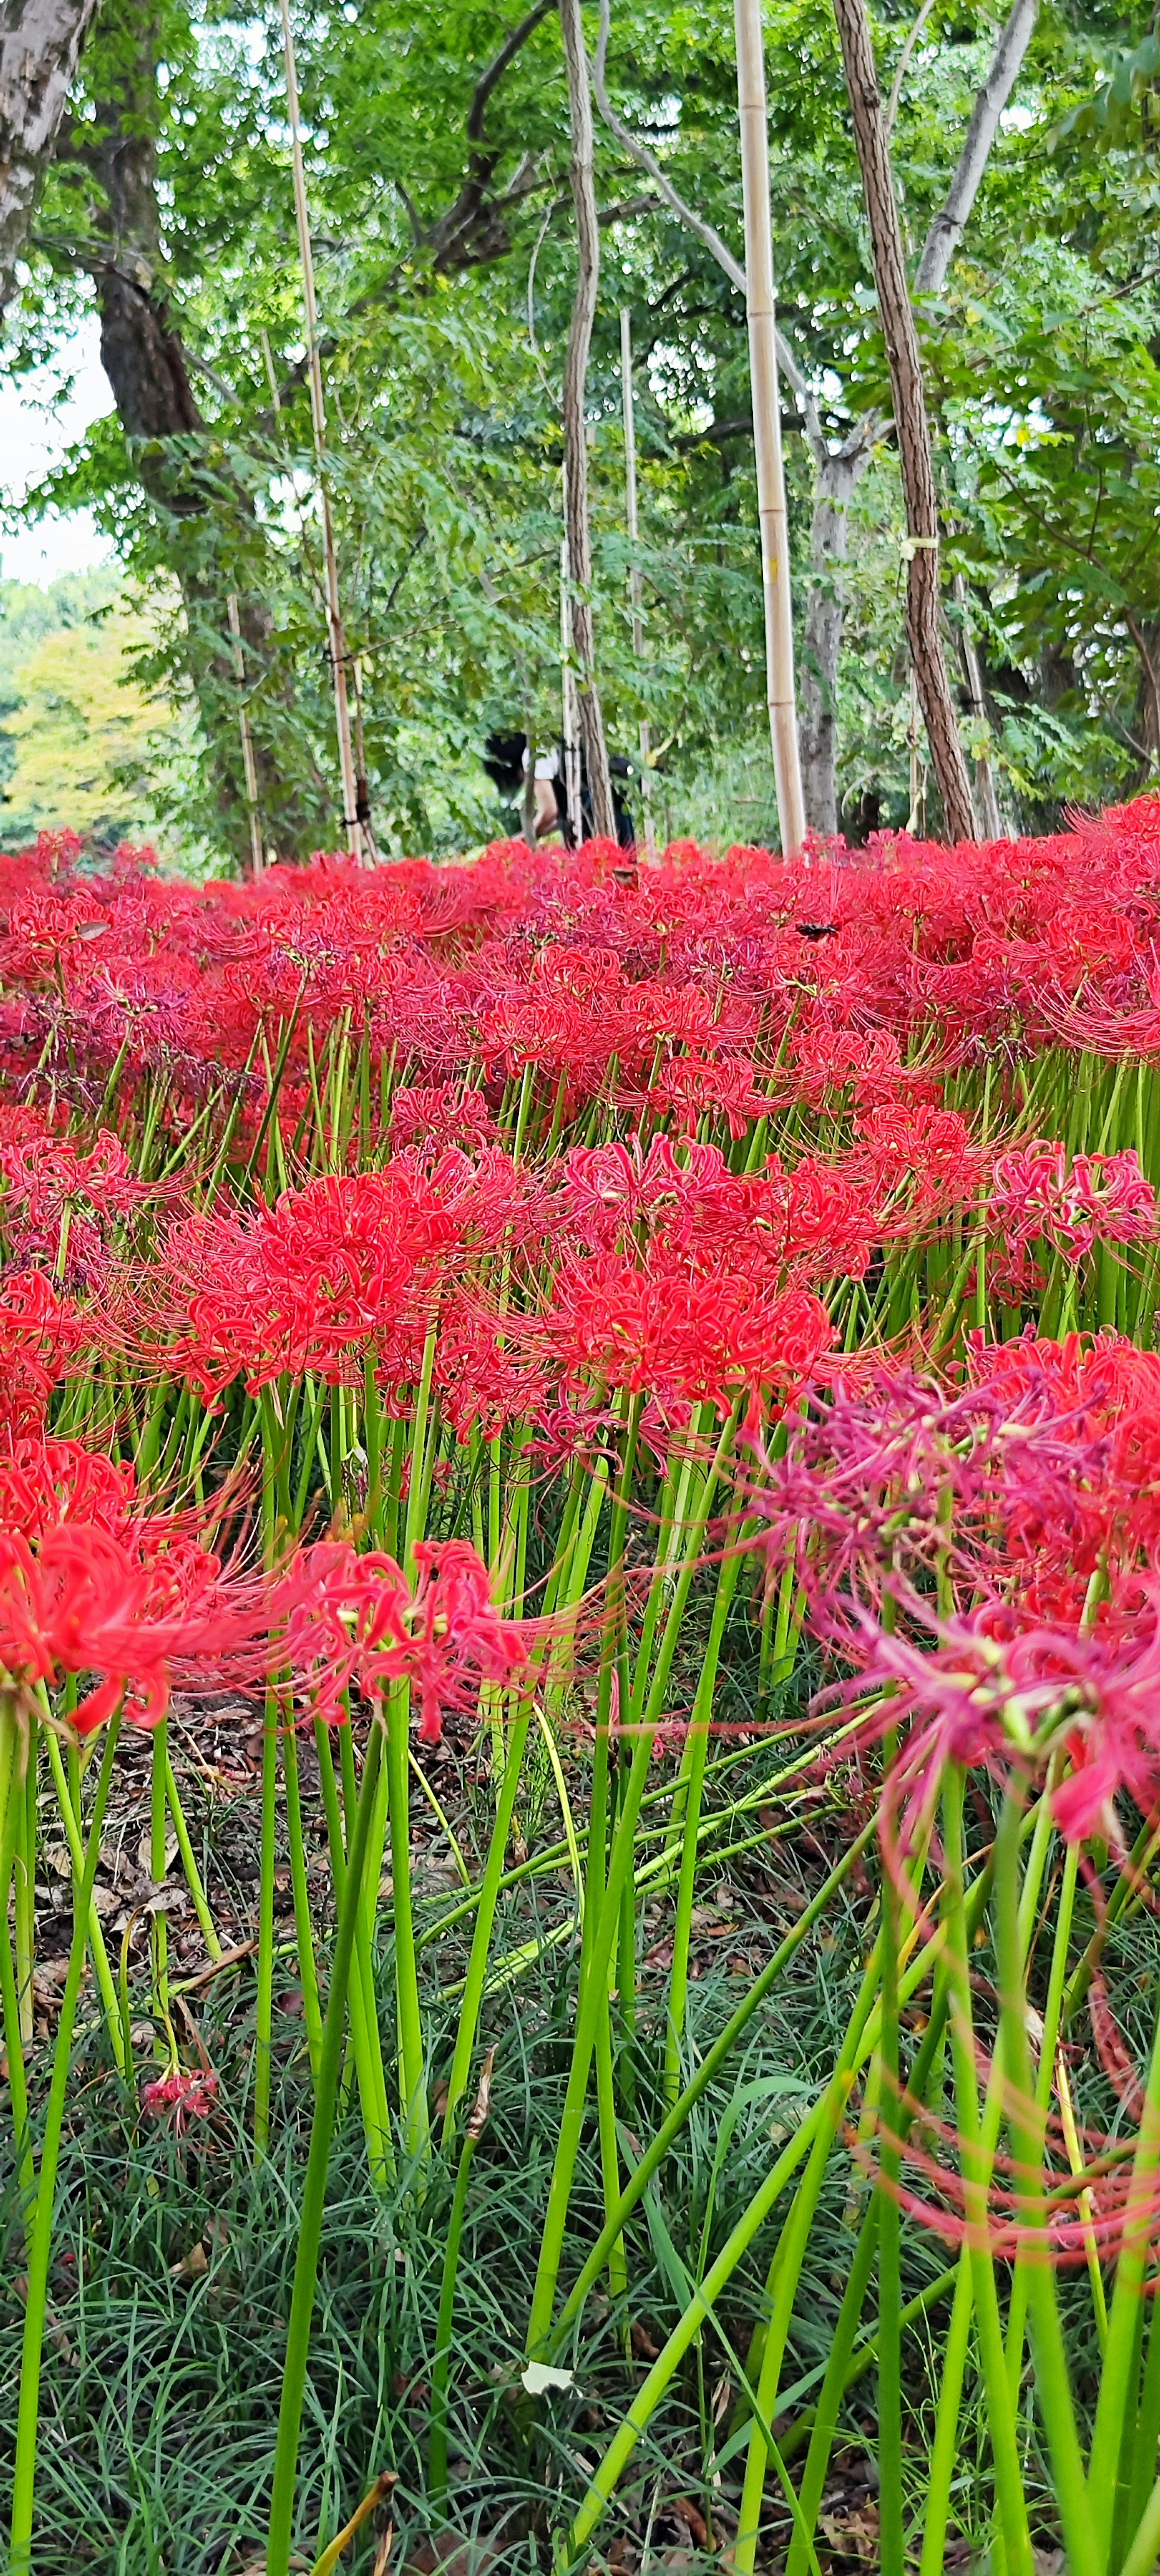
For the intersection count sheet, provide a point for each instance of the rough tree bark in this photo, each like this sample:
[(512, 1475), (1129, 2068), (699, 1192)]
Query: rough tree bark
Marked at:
[(575, 421), (145, 361), (912, 427), (837, 472), (40, 43)]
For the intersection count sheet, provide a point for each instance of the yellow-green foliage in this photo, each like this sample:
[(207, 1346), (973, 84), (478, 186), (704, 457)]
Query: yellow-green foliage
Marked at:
[(82, 729)]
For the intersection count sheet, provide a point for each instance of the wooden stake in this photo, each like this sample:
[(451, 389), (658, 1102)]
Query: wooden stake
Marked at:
[(249, 764), (318, 415), (762, 317), (646, 782)]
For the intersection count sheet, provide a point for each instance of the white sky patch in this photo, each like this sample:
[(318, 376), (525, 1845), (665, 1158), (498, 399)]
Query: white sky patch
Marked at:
[(42, 415)]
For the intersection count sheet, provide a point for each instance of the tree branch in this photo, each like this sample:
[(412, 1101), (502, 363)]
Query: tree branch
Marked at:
[(706, 232), (950, 223), (501, 63)]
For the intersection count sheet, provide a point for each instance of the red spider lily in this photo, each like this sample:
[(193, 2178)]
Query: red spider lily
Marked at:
[(186, 2096), (440, 1115), (42, 1338), (1101, 1198), (93, 1583), (56, 1203), (351, 1619), (685, 1338), (343, 1266)]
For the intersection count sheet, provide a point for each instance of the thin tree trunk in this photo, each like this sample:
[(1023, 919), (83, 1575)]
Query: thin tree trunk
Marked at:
[(40, 43), (575, 421), (915, 455), (989, 815), (771, 509), (835, 481)]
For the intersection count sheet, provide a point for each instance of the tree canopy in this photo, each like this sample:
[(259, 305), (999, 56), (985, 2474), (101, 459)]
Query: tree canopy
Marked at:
[(436, 149)]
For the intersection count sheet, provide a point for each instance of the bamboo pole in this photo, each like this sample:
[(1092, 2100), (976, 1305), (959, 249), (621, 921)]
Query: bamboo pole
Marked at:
[(646, 781), (249, 764), (318, 415), (762, 318)]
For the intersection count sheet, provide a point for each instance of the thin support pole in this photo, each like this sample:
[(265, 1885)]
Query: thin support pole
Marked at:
[(762, 316), (338, 654), (572, 789), (249, 764), (634, 586)]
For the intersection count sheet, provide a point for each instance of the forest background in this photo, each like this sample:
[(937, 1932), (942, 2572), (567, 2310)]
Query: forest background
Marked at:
[(437, 169)]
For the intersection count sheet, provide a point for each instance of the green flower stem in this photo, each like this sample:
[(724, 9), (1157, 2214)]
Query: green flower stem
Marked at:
[(820, 2127), (412, 2053), (1052, 2019), (698, 1741), (890, 2502), (593, 1992), (264, 2010), (841, 2370), (273, 1458), (944, 2450), (1116, 2393), (40, 2242), (70, 1820), (834, 2384), (158, 1809), (303, 1927), (1001, 2420), (24, 1864), (477, 1965), (1146, 2430), (791, 2250), (314, 2192), (710, 2066), (609, 2157), (943, 2459), (1086, 2524), (13, 1755), (1145, 2549), (565, 1584), (365, 2036), (189, 1864)]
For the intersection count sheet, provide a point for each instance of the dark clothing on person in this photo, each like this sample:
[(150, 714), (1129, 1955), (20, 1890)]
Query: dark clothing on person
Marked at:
[(505, 760)]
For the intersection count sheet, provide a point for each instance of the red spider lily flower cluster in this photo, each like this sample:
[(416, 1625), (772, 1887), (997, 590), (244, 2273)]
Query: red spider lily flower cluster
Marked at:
[(707, 983), (95, 1585), (183, 2096), (354, 1620), (980, 1559)]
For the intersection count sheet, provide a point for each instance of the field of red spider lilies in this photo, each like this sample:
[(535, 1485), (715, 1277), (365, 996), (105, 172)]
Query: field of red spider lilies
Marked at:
[(638, 1382)]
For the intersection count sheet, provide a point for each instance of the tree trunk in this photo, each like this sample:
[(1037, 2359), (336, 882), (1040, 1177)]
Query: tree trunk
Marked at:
[(836, 479), (575, 422), (144, 359), (772, 514), (989, 815), (40, 43), (915, 455)]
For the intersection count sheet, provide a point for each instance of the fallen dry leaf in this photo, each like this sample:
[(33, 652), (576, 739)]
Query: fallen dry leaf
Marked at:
[(691, 2515), (853, 2535), (193, 2266)]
